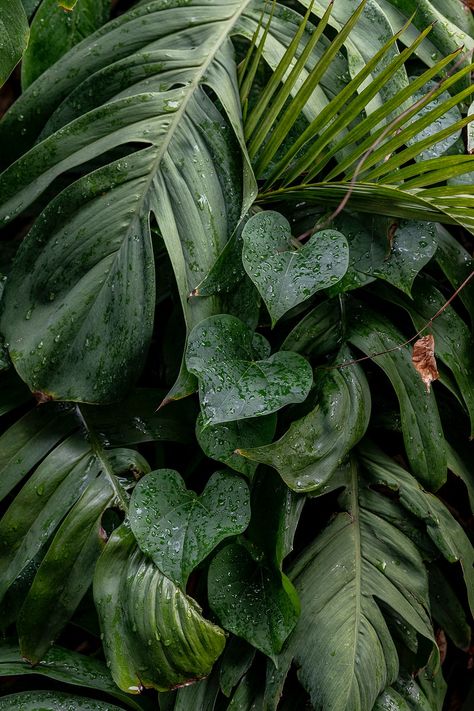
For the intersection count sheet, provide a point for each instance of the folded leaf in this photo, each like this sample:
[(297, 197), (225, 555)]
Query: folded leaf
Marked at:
[(177, 528), (65, 572), (308, 454), (236, 377), (154, 634)]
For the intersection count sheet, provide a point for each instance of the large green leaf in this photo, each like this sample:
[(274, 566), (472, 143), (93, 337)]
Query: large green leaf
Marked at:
[(65, 666), (446, 533), (154, 634), (453, 340), (421, 425), (65, 573), (177, 528), (92, 301), (53, 32), (285, 275), (14, 32), (138, 80), (311, 450), (53, 701), (359, 571), (237, 376)]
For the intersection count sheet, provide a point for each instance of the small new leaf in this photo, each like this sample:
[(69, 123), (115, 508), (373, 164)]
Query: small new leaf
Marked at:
[(424, 360)]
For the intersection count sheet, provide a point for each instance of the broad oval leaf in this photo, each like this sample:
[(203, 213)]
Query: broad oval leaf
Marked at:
[(14, 32), (154, 634), (177, 528), (251, 599), (313, 447), (287, 274), (236, 377)]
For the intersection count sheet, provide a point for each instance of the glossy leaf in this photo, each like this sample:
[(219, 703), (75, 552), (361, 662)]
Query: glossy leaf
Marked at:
[(220, 441), (236, 661), (92, 301), (27, 441), (177, 528), (454, 344), (53, 32), (319, 332), (41, 504), (421, 426), (342, 645), (284, 274), (154, 634), (53, 701), (425, 692), (445, 532), (14, 32), (311, 450), (251, 599), (65, 666), (237, 377), (65, 573)]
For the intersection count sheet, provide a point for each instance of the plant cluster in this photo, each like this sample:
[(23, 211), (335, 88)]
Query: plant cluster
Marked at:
[(237, 361)]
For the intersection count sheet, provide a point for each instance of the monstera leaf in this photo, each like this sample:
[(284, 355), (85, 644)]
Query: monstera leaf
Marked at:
[(137, 89)]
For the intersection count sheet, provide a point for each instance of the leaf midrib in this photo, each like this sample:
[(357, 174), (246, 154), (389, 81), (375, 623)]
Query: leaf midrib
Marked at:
[(191, 88)]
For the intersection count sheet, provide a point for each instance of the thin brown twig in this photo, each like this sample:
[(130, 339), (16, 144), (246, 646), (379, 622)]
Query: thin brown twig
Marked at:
[(417, 334)]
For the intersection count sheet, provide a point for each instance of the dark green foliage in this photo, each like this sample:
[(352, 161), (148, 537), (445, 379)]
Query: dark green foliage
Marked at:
[(259, 505)]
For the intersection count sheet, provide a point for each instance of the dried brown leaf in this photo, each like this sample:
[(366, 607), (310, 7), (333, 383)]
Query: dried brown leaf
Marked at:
[(423, 359)]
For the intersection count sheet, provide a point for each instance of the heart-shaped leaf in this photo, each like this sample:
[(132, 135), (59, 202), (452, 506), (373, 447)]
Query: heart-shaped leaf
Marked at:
[(177, 528), (251, 599), (236, 377), (284, 273)]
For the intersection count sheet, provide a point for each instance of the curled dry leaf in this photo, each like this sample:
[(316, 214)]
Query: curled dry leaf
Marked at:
[(423, 359)]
